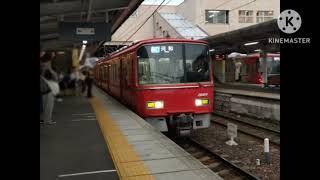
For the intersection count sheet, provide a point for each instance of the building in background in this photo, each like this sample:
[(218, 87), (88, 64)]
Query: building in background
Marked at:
[(195, 19)]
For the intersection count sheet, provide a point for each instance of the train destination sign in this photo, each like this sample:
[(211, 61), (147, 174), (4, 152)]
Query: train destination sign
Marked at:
[(158, 49)]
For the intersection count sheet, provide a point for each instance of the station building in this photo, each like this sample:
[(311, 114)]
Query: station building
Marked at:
[(196, 19)]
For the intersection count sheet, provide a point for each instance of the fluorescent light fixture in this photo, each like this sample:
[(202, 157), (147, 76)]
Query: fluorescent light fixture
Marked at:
[(84, 41), (251, 43), (211, 50), (257, 50), (82, 51)]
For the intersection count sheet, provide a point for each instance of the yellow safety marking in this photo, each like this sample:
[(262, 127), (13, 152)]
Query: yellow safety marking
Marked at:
[(126, 160)]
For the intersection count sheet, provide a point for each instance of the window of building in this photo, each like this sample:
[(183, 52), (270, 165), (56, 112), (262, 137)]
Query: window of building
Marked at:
[(245, 16), (263, 16), (114, 72), (217, 16)]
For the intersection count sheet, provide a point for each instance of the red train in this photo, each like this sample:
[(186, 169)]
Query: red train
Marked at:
[(251, 69), (168, 82)]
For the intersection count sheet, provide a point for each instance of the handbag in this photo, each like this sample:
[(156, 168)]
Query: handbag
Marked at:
[(44, 87)]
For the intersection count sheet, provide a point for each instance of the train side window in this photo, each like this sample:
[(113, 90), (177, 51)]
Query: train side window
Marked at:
[(145, 71), (254, 67), (243, 69), (128, 72), (113, 72), (105, 73)]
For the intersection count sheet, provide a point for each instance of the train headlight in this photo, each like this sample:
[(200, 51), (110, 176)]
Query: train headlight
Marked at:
[(155, 104), (201, 102)]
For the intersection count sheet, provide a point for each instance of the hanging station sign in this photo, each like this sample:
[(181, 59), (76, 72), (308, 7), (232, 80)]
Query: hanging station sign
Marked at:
[(75, 31)]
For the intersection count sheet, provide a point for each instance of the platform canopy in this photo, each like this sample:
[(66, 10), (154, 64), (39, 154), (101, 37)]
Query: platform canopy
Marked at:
[(257, 35), (52, 12)]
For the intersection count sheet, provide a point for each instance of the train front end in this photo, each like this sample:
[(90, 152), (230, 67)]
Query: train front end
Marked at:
[(175, 86)]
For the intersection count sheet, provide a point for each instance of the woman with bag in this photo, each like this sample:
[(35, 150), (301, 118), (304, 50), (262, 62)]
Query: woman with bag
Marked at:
[(48, 99)]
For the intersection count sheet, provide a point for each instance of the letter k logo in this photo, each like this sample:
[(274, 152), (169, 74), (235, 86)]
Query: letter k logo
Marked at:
[(288, 21)]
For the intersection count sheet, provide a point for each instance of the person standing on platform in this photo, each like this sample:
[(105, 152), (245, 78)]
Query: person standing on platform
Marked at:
[(44, 90), (72, 83), (48, 99), (82, 82), (89, 81)]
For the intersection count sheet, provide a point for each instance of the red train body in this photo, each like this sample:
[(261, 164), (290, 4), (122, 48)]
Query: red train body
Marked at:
[(168, 82), (253, 69)]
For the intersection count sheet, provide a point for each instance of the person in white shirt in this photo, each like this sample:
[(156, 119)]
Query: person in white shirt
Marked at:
[(48, 99)]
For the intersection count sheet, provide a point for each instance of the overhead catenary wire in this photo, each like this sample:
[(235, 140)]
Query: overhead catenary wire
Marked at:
[(160, 6), (145, 21), (133, 24), (124, 33)]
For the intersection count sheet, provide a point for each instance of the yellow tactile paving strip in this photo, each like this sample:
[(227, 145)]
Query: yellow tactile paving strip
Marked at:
[(126, 160)]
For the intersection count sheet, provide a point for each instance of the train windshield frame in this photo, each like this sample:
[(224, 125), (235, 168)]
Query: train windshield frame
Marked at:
[(173, 63)]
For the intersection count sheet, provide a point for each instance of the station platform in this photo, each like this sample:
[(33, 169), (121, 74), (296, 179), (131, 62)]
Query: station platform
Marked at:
[(138, 151), (74, 147), (248, 92)]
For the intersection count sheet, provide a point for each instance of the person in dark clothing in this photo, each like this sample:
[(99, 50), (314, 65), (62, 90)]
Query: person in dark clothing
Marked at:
[(65, 82), (89, 81)]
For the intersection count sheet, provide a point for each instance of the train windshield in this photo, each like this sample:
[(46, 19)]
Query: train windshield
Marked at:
[(173, 63)]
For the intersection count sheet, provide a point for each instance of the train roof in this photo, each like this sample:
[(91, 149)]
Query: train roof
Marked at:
[(136, 44), (257, 55), (268, 55)]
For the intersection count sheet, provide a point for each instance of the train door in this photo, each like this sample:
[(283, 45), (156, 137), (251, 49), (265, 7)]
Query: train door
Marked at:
[(126, 80), (121, 61), (251, 68), (108, 76), (103, 74)]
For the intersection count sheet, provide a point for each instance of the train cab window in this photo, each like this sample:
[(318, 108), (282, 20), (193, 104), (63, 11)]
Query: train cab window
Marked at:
[(166, 63), (197, 63)]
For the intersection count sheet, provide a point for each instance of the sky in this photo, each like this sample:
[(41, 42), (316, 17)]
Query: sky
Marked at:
[(157, 2)]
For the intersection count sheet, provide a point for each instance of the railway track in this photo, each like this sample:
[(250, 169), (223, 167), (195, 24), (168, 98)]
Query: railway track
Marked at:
[(249, 128), (224, 168)]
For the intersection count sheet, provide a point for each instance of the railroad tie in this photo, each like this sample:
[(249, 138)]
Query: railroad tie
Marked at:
[(238, 178), (205, 158), (197, 154), (223, 172), (213, 165), (191, 149)]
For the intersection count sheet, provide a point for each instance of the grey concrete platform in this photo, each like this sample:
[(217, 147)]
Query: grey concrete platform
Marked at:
[(161, 156), (74, 148), (251, 93)]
